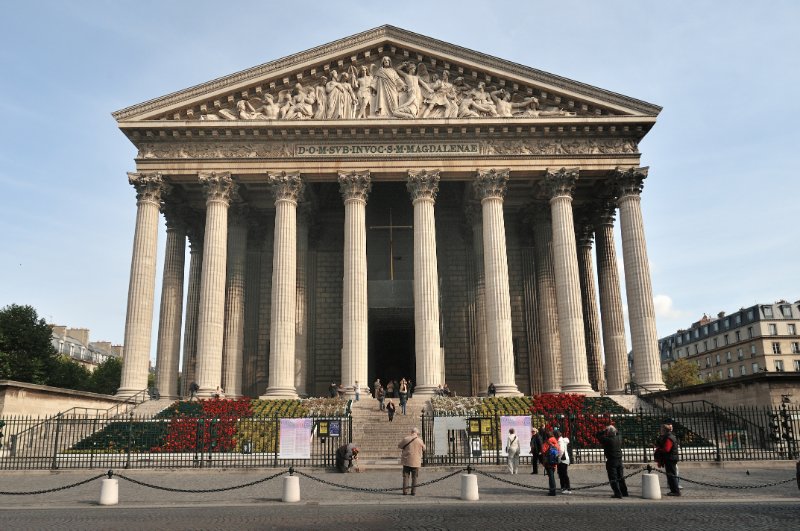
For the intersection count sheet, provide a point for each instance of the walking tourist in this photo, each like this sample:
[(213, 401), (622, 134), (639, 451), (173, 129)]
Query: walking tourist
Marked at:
[(512, 451), (357, 390), (612, 448), (390, 410), (412, 448), (563, 462), (536, 450), (550, 460), (380, 394)]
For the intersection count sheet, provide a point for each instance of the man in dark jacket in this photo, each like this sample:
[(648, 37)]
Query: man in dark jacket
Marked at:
[(667, 455), (536, 449), (612, 448)]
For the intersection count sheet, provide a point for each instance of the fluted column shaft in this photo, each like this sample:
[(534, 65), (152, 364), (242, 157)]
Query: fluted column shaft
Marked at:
[(482, 367), (168, 348), (423, 186), (141, 289), (574, 372), (355, 187), (591, 319), (547, 310), (612, 317), (233, 349), (490, 186), (301, 320), (638, 285), (288, 188), (211, 316), (195, 233)]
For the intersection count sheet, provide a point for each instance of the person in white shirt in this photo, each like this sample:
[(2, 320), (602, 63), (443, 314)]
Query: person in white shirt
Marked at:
[(512, 449)]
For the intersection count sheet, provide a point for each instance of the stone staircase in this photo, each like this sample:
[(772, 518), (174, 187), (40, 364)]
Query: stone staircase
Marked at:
[(376, 437), (151, 408)]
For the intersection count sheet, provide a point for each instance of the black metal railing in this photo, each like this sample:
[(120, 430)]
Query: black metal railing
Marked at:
[(705, 434), (149, 442)]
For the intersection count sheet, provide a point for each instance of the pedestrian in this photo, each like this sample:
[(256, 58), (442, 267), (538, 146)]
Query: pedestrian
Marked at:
[(390, 410), (403, 395), (550, 460), (536, 450), (563, 461), (390, 389), (219, 393), (193, 388), (512, 451), (412, 448), (332, 390), (667, 456), (380, 395), (345, 455), (357, 391), (375, 387), (612, 448), (492, 391)]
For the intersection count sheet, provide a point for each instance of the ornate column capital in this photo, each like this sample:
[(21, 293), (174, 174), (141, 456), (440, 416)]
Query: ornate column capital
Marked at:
[(195, 228), (175, 213), (491, 184), (286, 186), (584, 231), (423, 184), (149, 186), (605, 211), (561, 182), (355, 185), (218, 186), (631, 181)]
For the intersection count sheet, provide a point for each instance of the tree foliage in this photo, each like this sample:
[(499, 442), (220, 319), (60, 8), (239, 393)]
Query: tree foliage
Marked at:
[(106, 377), (682, 373), (26, 351)]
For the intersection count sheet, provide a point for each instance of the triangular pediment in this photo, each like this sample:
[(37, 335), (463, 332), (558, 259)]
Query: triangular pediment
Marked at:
[(387, 73)]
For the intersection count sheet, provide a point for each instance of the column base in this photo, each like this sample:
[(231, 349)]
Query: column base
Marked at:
[(279, 392), (127, 393), (426, 390), (507, 390), (580, 390), (652, 386)]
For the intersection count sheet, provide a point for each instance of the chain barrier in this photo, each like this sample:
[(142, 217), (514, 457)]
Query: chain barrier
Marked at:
[(198, 491), (731, 487), (47, 491), (367, 489), (535, 487)]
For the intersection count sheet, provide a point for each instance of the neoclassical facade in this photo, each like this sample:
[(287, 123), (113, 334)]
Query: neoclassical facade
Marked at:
[(386, 206)]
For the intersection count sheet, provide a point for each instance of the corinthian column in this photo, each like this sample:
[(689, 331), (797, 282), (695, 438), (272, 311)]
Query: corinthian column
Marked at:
[(490, 187), (639, 289), (301, 330), (233, 349), (423, 185), (475, 220), (168, 348), (354, 187), (613, 320), (141, 290), (591, 319), (211, 316), (287, 188), (195, 231), (546, 307), (574, 375)]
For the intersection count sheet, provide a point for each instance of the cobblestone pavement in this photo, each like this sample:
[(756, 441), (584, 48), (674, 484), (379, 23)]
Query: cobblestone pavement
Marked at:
[(436, 506)]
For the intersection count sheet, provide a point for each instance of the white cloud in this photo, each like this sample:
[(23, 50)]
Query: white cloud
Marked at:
[(664, 309)]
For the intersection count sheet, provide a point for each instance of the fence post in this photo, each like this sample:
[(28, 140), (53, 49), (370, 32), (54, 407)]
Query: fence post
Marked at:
[(498, 437), (130, 441), (54, 464), (425, 452), (714, 413), (277, 439), (641, 431)]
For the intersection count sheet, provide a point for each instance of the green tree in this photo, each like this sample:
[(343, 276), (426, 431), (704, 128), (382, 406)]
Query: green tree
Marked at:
[(106, 377), (69, 374), (26, 351), (682, 373)]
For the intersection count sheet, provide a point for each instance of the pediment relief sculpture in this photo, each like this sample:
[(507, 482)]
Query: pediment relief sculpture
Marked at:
[(381, 90)]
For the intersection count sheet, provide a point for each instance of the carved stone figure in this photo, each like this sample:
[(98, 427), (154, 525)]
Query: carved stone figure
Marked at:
[(364, 92), (299, 106), (341, 98), (505, 107), (410, 98), (247, 112), (387, 85), (442, 101)]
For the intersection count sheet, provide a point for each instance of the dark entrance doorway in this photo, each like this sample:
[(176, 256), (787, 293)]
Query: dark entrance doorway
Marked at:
[(391, 344)]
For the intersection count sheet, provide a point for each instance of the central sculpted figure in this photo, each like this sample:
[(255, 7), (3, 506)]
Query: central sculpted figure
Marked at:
[(387, 85)]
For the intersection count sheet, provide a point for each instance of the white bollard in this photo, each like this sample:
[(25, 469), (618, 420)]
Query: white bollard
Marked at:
[(469, 487), (291, 489), (651, 490), (109, 492)]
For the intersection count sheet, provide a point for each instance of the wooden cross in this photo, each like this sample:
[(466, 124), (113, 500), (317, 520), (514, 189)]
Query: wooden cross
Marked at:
[(391, 228)]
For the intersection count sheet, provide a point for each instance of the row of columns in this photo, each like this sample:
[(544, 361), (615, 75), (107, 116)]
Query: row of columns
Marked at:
[(567, 312)]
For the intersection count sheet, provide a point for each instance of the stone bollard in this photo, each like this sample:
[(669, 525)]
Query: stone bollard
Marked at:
[(651, 490), (291, 487), (109, 490), (469, 487)]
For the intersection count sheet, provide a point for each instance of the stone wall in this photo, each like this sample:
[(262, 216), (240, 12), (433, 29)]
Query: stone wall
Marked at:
[(31, 400), (757, 390)]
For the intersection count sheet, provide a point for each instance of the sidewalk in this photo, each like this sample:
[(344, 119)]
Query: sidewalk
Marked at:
[(445, 491)]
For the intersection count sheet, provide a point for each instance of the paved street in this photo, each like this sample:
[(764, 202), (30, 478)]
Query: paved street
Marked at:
[(436, 506)]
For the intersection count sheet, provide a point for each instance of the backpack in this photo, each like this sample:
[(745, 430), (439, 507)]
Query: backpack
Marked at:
[(550, 454)]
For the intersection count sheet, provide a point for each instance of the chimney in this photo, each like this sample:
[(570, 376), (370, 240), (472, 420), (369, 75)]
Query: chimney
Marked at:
[(58, 330), (80, 334), (721, 315)]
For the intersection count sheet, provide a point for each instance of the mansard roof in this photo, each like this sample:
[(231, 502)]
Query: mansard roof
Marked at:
[(294, 87)]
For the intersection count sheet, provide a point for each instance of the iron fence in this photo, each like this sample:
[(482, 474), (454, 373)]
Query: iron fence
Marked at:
[(705, 434), (149, 442)]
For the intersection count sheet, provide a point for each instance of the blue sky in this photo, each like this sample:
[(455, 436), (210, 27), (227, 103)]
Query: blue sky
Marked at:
[(720, 205)]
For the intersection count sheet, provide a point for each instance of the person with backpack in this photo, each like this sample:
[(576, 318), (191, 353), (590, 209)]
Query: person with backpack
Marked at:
[(563, 461), (550, 459), (512, 450), (667, 455)]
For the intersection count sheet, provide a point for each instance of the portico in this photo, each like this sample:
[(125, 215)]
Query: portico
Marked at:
[(270, 175)]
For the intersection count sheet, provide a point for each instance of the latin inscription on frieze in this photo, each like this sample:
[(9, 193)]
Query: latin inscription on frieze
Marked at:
[(432, 148)]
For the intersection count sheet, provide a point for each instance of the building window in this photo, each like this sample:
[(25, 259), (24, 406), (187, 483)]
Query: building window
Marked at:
[(749, 315), (739, 353), (695, 349), (716, 342), (742, 370), (727, 323), (755, 368), (679, 339), (767, 310), (786, 311), (730, 372), (795, 347), (796, 365), (725, 338), (792, 329), (719, 374), (776, 348), (778, 365), (717, 359), (708, 361), (705, 344), (696, 333), (715, 327), (737, 319), (728, 356), (749, 332), (773, 329)]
